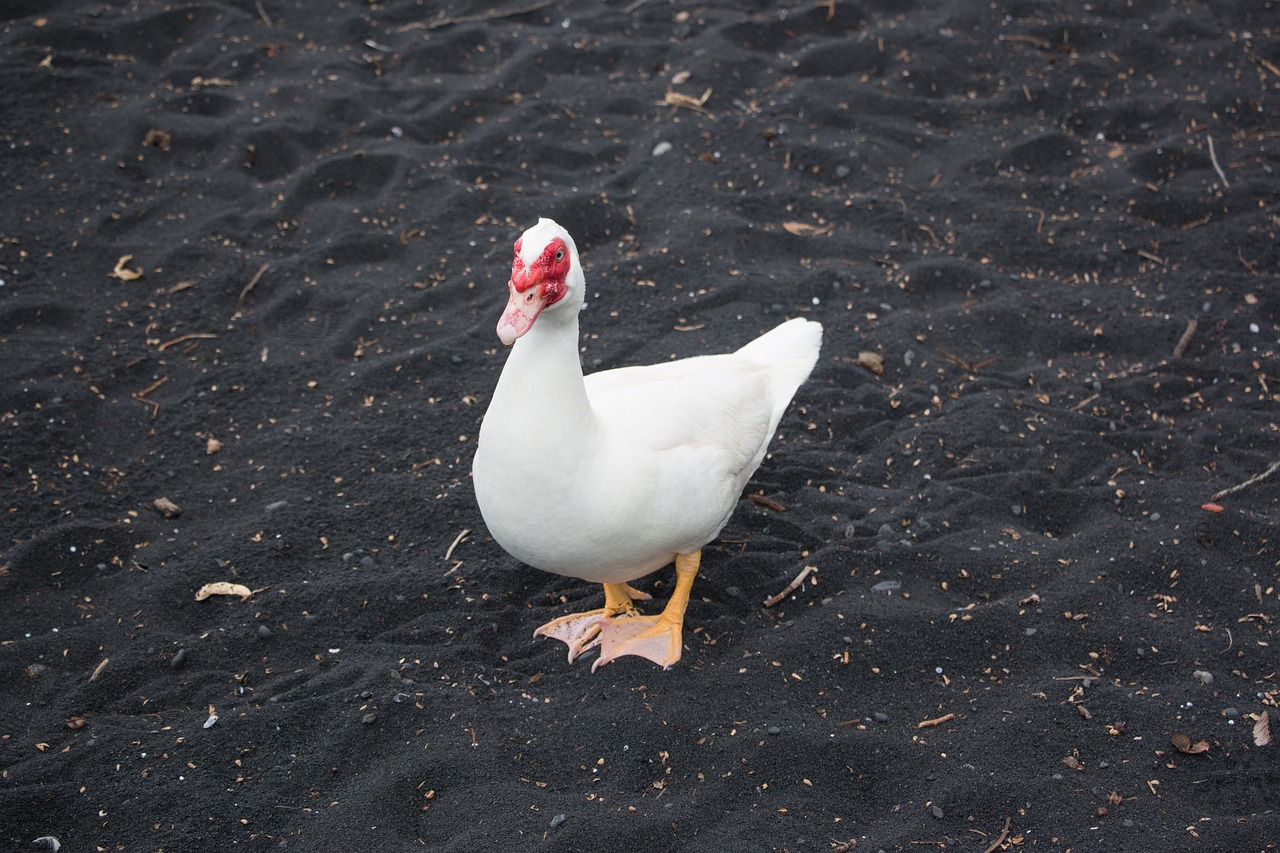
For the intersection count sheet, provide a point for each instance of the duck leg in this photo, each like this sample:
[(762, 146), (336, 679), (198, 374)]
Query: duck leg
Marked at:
[(654, 637), (581, 631)]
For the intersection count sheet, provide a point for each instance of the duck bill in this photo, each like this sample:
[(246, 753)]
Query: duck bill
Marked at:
[(523, 307)]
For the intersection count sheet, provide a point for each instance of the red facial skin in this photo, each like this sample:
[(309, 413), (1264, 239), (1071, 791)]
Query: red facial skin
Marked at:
[(548, 271), (532, 288)]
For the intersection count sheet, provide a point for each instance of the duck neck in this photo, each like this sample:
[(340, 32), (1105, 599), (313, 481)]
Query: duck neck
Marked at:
[(544, 365)]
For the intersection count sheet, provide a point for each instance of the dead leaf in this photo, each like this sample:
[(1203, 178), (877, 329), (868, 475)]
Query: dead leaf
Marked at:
[(167, 508), (223, 588), (806, 229), (157, 138), (1073, 762), (675, 99), (1183, 744), (212, 446), (1262, 729), (122, 272), (197, 82), (872, 361)]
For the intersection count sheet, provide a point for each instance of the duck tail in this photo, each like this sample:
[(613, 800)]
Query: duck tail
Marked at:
[(788, 352)]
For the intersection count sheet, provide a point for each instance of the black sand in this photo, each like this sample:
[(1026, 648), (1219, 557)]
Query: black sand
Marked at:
[(1020, 596)]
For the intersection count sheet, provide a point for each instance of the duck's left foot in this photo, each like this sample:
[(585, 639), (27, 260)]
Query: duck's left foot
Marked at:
[(654, 637)]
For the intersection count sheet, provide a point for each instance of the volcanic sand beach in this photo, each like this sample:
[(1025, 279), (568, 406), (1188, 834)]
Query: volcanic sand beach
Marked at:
[(252, 256)]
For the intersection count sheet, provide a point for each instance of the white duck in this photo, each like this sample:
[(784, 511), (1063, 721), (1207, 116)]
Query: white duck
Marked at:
[(612, 476)]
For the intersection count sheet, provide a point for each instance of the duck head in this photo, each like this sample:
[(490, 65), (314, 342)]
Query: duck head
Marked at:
[(545, 276)]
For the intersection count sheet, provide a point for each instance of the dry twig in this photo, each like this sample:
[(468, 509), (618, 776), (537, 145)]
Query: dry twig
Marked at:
[(791, 587), (97, 670), (471, 19), (995, 845), (1256, 478), (457, 540), (1180, 350), (1213, 157), (766, 502), (141, 396), (252, 283), (203, 336)]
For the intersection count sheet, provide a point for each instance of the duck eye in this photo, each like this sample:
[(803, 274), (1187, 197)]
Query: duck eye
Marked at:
[(559, 255)]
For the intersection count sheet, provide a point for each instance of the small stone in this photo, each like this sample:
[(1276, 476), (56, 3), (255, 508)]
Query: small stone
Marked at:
[(264, 633), (178, 660), (937, 812), (1231, 712), (366, 694), (276, 506), (733, 592), (880, 716), (369, 719), (1203, 676), (661, 148), (774, 730), (1029, 632), (367, 562), (889, 586), (558, 819)]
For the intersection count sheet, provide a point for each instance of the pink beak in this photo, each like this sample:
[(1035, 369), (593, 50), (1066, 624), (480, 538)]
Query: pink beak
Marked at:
[(523, 307)]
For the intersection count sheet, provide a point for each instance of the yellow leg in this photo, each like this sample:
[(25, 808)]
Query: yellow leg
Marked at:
[(581, 631), (657, 638)]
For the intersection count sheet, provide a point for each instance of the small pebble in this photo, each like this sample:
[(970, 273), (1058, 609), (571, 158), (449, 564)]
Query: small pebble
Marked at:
[(937, 812), (367, 562), (276, 506), (366, 694), (1231, 712), (662, 148), (1029, 632), (1203, 676), (774, 730), (264, 633), (558, 819), (369, 719), (179, 658), (880, 716), (733, 592), (887, 586)]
